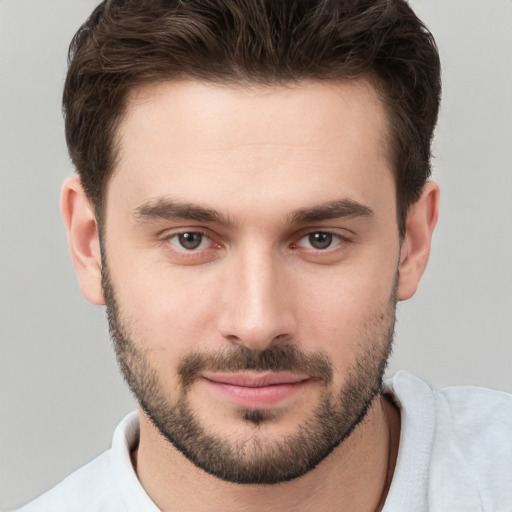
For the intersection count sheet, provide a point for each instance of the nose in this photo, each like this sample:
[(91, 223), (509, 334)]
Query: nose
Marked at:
[(257, 304)]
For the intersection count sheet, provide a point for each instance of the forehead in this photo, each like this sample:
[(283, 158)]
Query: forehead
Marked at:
[(199, 140), (258, 112)]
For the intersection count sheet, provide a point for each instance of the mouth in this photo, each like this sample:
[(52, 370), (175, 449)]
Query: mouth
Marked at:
[(256, 390)]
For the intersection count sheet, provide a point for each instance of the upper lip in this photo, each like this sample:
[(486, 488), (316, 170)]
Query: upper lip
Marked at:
[(255, 379)]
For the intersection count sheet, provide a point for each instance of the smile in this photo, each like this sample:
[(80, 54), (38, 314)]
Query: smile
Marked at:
[(256, 390)]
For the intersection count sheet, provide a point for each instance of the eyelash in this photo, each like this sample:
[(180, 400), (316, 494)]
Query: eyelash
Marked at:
[(176, 236), (334, 238)]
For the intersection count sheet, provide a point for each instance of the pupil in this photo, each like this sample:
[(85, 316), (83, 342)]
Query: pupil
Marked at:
[(320, 240), (190, 240)]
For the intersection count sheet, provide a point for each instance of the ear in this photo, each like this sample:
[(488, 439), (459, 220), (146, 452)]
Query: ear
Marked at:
[(83, 237), (415, 249)]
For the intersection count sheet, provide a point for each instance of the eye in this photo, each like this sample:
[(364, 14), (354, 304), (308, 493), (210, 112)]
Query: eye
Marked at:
[(190, 240), (320, 240)]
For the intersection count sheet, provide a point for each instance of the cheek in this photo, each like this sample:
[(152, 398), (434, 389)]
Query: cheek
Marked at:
[(167, 311), (347, 310)]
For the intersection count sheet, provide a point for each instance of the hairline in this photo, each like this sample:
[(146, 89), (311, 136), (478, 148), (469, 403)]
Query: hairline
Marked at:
[(370, 79)]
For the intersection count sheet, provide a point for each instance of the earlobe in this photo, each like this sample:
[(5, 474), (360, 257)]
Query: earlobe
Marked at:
[(415, 249), (83, 237)]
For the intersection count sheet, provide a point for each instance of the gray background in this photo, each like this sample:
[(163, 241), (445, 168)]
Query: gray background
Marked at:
[(60, 392)]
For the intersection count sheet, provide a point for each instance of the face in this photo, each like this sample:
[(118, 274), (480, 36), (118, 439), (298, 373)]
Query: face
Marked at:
[(250, 259)]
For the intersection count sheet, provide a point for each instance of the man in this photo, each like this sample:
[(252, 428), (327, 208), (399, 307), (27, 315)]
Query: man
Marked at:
[(252, 201)]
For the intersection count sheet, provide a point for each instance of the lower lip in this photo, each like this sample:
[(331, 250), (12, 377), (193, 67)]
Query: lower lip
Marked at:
[(257, 397)]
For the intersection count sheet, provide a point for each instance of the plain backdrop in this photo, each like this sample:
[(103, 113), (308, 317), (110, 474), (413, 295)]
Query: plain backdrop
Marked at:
[(61, 395)]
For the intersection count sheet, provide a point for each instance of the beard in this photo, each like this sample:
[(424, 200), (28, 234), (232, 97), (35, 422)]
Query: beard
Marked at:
[(256, 459)]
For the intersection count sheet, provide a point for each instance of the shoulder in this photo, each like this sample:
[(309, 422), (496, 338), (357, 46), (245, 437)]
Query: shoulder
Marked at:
[(88, 488), (474, 426), (458, 440), (482, 409), (108, 483), (466, 411)]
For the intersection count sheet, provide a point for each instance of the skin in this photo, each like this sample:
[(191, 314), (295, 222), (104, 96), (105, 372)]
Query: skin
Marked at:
[(256, 156)]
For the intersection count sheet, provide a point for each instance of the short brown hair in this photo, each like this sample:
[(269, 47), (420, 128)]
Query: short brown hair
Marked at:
[(127, 43)]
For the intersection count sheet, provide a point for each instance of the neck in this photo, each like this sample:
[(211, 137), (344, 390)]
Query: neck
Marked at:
[(355, 476)]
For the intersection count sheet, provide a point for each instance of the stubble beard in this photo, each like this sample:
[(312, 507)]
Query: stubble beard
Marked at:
[(256, 459)]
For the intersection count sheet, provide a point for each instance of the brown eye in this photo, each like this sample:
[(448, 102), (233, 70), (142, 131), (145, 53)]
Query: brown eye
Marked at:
[(320, 240), (190, 240)]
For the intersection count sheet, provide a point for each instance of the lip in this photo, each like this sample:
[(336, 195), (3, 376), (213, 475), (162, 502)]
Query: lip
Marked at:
[(256, 390)]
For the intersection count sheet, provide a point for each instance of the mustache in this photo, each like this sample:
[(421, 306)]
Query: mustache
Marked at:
[(276, 358)]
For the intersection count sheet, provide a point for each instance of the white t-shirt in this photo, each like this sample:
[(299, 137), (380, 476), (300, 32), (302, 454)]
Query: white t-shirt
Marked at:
[(455, 455)]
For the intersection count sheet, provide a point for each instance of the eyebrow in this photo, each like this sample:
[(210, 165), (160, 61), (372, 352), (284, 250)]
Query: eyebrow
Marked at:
[(331, 210), (170, 209)]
